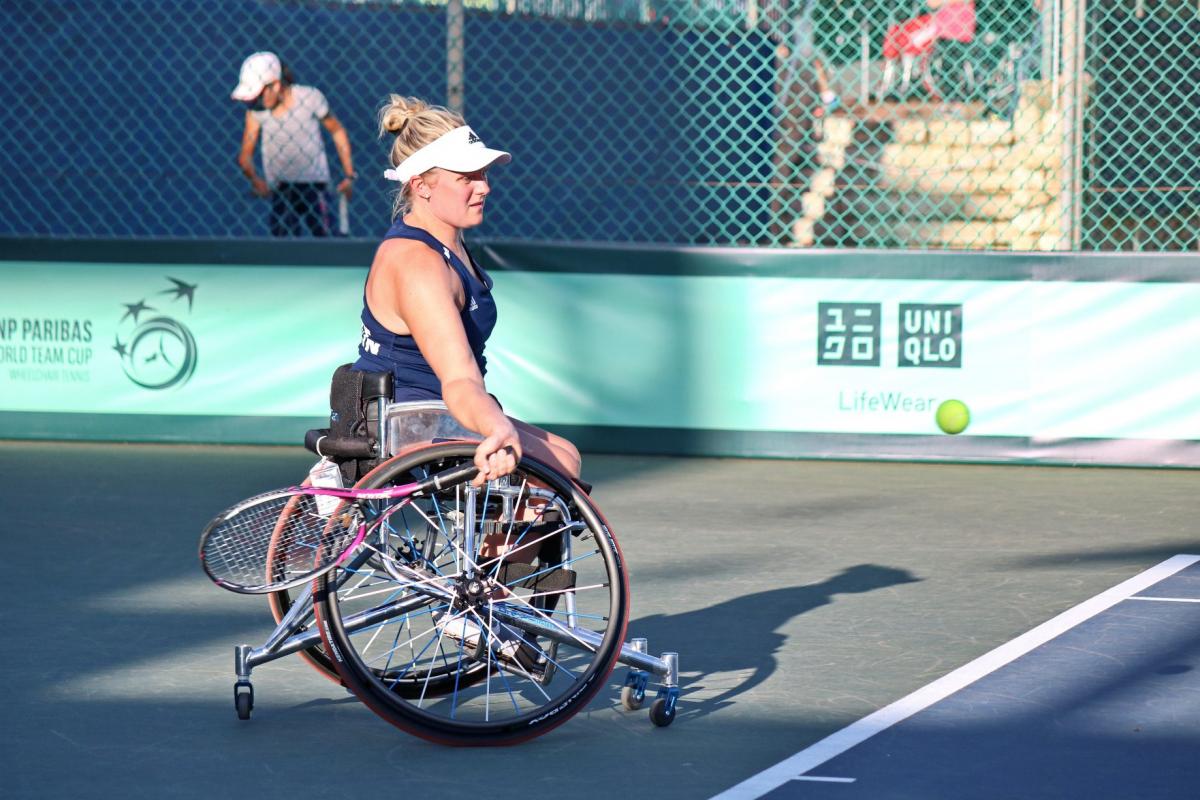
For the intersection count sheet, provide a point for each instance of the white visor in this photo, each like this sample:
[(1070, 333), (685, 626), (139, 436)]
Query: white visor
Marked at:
[(459, 150)]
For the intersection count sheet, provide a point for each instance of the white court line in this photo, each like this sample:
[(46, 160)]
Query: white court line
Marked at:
[(823, 779), (1169, 599), (858, 732)]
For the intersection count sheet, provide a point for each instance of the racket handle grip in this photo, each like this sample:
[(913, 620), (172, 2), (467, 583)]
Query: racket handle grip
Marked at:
[(449, 477), (343, 215)]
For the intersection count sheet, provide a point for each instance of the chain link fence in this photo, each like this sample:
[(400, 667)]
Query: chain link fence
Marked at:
[(998, 125)]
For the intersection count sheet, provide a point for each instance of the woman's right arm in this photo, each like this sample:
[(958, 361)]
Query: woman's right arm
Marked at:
[(246, 156), (413, 282)]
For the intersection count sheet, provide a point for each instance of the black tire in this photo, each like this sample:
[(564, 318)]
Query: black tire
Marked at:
[(243, 701), (659, 714), (515, 684)]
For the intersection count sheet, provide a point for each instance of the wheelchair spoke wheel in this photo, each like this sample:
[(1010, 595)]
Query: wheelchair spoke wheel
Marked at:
[(348, 580), (477, 616), (281, 602)]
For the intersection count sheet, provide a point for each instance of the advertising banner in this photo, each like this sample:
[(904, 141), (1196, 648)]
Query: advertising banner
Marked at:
[(174, 339), (1040, 361), (1028, 358)]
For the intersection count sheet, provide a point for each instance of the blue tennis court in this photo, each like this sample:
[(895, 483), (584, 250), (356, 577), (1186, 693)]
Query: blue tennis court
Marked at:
[(1100, 701), (796, 612)]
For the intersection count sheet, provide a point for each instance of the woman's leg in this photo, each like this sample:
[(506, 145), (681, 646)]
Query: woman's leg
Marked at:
[(279, 213), (313, 207), (554, 450)]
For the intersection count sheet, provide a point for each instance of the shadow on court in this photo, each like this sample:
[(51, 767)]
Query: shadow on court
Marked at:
[(1115, 555), (743, 635), (1107, 708)]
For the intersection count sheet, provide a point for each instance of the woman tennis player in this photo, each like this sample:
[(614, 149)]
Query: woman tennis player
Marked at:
[(428, 307)]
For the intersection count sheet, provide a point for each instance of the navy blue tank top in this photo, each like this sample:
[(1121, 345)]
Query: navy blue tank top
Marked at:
[(381, 350)]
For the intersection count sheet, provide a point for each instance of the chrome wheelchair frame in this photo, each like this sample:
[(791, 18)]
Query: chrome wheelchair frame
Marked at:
[(333, 632)]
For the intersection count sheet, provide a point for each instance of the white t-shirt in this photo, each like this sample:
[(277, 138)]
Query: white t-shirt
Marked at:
[(292, 147)]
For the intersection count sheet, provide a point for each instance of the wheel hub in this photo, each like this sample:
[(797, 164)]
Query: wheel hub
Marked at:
[(471, 592)]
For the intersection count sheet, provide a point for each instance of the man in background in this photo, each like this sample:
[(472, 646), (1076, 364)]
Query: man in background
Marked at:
[(289, 118)]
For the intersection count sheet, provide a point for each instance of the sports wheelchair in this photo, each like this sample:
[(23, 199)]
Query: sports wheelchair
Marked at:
[(474, 615)]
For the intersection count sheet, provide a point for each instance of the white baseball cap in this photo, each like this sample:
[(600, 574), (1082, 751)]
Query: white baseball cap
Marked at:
[(459, 150), (258, 70)]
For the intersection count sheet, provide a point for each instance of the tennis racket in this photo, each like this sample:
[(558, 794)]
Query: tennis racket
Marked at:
[(287, 537), (343, 215)]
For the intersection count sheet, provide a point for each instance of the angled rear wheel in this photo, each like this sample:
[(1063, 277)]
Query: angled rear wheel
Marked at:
[(445, 638)]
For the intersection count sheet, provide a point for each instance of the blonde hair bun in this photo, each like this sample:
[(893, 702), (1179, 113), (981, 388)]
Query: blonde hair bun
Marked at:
[(397, 111), (415, 123)]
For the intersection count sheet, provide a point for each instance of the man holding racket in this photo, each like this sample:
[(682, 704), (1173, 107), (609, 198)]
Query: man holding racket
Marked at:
[(428, 307), (289, 117)]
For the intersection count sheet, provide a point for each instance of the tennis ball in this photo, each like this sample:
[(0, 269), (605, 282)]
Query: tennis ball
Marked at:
[(953, 416)]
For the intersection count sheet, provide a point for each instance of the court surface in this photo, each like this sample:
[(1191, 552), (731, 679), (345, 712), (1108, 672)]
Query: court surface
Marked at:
[(803, 597), (1101, 701)]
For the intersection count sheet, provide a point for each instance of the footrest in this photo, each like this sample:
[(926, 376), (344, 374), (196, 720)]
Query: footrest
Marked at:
[(523, 576)]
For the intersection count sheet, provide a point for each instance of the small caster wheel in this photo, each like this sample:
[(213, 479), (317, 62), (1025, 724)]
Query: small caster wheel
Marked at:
[(662, 712), (633, 693), (631, 698), (243, 699)]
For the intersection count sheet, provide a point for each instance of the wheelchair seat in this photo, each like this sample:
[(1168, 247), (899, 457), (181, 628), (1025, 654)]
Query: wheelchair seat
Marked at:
[(366, 426), (420, 422)]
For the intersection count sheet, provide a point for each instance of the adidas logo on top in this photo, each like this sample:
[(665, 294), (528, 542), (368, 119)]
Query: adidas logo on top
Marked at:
[(472, 138)]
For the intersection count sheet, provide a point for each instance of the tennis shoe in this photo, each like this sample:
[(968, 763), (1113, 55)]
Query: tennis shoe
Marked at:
[(507, 643)]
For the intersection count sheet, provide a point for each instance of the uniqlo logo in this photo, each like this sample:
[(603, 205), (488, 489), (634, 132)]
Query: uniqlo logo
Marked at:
[(848, 334), (931, 335)]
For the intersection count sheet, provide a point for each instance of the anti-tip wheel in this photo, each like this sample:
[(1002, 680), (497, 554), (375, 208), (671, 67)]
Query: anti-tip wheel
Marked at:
[(660, 714), (243, 701), (631, 698)]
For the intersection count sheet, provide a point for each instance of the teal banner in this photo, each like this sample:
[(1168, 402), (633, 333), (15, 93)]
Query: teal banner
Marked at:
[(1048, 360), (174, 339), (824, 361)]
